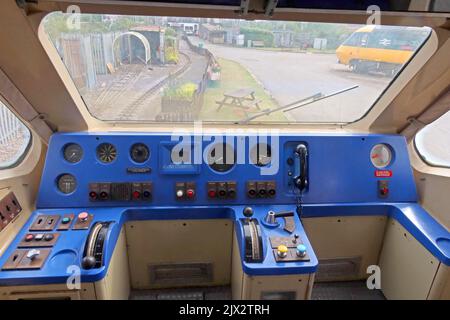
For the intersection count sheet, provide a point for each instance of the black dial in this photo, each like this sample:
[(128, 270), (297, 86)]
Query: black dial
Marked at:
[(261, 154), (221, 157), (106, 153), (139, 152), (73, 152), (67, 183)]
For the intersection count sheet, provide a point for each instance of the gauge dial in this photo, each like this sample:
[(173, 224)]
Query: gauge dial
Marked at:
[(181, 154), (73, 152), (67, 183), (106, 153), (221, 157), (261, 154), (139, 152), (381, 155)]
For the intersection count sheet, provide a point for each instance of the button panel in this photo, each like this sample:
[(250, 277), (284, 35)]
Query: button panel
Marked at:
[(45, 223), (221, 189), (288, 249), (65, 222), (127, 191), (38, 240), (83, 221), (27, 259), (185, 190), (261, 189)]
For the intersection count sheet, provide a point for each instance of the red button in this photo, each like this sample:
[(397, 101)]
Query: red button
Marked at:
[(190, 193), (83, 216), (212, 193), (136, 195)]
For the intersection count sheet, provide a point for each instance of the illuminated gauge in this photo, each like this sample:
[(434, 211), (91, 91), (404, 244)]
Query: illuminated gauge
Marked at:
[(381, 155), (221, 157), (139, 152), (261, 154), (106, 153), (67, 183), (73, 152)]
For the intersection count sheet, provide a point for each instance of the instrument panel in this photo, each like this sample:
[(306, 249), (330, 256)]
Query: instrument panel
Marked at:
[(143, 169)]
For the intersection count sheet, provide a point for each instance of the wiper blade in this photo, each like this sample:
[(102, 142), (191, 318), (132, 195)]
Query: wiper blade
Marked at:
[(297, 104)]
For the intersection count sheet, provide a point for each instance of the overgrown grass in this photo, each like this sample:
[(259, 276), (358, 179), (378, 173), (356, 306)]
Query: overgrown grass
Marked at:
[(234, 77)]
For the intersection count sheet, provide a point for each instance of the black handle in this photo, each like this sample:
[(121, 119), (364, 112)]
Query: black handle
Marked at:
[(283, 214), (301, 181)]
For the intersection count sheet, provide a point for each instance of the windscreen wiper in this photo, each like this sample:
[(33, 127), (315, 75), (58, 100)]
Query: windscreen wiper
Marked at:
[(297, 104)]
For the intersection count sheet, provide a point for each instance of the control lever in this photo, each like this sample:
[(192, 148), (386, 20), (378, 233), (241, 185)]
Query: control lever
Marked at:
[(93, 256), (271, 220), (252, 237), (301, 176)]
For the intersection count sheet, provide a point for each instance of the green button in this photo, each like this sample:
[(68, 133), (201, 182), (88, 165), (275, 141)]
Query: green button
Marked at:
[(65, 220)]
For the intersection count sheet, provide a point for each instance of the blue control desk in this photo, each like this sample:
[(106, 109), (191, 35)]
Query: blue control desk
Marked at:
[(114, 178)]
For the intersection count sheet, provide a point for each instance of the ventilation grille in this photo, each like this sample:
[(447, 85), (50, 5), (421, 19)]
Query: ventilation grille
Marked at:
[(181, 274), (335, 269)]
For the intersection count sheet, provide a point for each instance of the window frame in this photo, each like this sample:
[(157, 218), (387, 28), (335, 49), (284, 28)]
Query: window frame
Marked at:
[(411, 64), (19, 160)]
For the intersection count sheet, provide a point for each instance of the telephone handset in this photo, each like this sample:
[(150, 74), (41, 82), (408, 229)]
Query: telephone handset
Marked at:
[(301, 170)]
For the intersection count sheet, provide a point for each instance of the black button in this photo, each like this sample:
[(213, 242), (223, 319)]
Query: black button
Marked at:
[(49, 237)]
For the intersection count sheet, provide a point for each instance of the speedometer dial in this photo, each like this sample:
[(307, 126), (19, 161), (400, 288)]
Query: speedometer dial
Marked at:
[(381, 155), (221, 157), (73, 152)]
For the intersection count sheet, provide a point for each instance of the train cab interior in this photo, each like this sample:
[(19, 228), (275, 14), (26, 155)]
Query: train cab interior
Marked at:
[(224, 150)]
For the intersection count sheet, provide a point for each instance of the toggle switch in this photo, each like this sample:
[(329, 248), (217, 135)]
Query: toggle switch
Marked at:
[(33, 254)]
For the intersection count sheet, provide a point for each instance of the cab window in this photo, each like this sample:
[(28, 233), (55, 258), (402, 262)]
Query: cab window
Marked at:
[(14, 138)]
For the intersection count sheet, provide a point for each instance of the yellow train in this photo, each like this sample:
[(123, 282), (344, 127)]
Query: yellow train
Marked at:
[(379, 48)]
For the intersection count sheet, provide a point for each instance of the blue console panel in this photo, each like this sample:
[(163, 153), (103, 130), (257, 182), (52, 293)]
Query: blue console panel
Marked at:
[(341, 174), (340, 170)]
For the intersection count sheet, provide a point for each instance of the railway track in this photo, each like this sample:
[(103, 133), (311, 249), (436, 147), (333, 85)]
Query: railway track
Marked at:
[(129, 112)]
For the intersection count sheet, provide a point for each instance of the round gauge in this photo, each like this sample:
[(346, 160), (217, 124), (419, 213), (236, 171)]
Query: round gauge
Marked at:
[(106, 153), (180, 155), (221, 157), (381, 155), (67, 183), (139, 152), (261, 154), (73, 152)]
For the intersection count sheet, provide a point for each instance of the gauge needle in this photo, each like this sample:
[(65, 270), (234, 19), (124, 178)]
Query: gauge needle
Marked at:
[(219, 160)]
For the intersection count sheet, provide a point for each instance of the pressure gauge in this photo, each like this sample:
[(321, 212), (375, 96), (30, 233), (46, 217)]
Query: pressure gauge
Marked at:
[(139, 152), (221, 157), (381, 155), (261, 154), (67, 183)]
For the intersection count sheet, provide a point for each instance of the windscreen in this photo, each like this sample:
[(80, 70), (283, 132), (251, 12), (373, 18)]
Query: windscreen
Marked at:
[(169, 69)]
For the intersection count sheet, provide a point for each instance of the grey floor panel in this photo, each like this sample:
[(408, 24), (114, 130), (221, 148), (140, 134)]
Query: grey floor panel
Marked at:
[(203, 293), (351, 290)]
